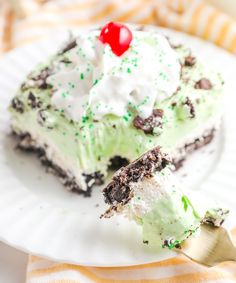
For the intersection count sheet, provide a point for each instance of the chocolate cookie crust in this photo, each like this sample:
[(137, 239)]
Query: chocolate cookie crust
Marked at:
[(118, 191)]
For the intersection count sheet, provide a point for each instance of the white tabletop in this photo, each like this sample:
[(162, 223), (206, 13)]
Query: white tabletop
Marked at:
[(12, 265)]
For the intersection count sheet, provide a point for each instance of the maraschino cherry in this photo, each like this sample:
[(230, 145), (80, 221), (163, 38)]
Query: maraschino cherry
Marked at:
[(118, 36)]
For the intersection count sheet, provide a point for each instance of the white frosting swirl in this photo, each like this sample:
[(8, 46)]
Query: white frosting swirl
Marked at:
[(102, 83)]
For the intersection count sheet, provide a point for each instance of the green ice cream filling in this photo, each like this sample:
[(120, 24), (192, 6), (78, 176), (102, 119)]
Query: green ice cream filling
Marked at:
[(171, 220)]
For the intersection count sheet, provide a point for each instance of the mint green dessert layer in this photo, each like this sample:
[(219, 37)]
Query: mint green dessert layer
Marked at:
[(171, 220), (88, 145)]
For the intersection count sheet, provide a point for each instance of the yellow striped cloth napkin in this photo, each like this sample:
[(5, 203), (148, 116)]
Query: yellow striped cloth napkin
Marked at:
[(29, 20), (174, 270)]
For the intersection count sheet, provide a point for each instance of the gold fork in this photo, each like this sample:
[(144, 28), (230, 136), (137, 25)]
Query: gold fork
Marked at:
[(213, 246)]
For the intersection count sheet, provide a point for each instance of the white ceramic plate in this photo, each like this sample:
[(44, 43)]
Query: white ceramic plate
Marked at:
[(39, 216)]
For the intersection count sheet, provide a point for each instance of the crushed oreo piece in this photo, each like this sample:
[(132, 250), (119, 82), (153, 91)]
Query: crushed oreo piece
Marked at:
[(178, 246), (72, 44), (43, 119), (32, 101), (39, 80), (66, 61), (189, 103), (117, 162), (119, 191), (189, 61), (215, 217), (95, 178), (149, 124), (168, 242), (17, 104), (25, 142), (203, 84)]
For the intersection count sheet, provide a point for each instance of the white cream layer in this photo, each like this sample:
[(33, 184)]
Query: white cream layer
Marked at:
[(97, 80)]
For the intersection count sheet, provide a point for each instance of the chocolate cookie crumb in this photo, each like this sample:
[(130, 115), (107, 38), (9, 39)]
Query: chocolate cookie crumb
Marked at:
[(178, 246), (66, 61), (189, 61), (147, 125), (32, 101), (42, 78), (17, 104), (168, 242), (117, 162), (39, 80), (203, 84), (43, 119), (70, 46), (92, 179), (189, 103)]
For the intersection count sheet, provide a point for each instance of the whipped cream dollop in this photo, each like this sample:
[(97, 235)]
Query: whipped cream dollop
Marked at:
[(92, 79)]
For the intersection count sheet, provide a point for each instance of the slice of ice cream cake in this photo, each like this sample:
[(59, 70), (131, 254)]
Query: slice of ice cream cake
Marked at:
[(148, 192), (102, 100)]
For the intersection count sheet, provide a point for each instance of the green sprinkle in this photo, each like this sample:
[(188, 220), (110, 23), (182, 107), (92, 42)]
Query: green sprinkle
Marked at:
[(126, 118), (185, 202), (128, 70), (81, 76), (95, 82), (85, 119)]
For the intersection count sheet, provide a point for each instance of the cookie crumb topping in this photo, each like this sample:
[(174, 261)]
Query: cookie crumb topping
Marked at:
[(203, 84), (149, 124)]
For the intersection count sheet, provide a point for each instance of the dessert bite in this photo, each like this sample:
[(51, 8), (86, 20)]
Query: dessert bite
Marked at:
[(147, 192), (109, 96)]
